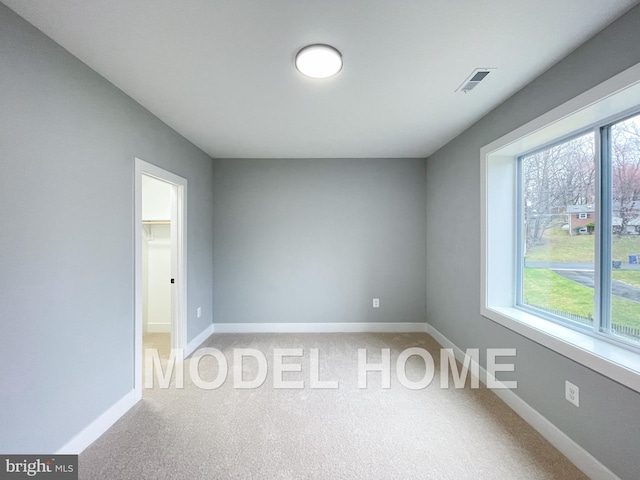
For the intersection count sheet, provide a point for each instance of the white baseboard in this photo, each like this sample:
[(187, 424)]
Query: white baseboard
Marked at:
[(352, 327), (92, 432), (196, 342), (574, 452), (582, 459), (158, 328)]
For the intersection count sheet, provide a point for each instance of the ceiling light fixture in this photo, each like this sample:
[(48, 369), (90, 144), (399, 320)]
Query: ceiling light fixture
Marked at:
[(319, 61)]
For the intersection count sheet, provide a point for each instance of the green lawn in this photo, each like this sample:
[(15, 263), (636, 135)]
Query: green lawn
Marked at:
[(546, 288), (632, 277), (559, 246), (625, 246)]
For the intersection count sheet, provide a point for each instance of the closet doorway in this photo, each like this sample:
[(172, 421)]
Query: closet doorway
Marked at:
[(160, 266), (157, 270)]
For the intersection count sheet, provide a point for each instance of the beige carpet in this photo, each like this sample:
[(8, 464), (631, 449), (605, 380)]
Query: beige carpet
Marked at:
[(348, 433), (159, 341)]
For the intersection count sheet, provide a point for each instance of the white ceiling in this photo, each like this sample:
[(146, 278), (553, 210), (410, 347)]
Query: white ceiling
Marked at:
[(221, 72)]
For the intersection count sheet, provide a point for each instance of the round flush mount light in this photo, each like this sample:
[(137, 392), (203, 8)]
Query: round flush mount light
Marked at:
[(319, 61)]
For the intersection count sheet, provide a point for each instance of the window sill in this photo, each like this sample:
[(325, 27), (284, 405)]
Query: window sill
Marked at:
[(608, 359)]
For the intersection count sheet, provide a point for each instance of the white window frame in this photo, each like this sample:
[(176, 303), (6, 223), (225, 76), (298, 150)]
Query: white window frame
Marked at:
[(499, 243), (583, 216)]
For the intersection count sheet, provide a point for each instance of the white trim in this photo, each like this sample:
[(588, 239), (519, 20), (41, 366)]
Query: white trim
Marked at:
[(612, 361), (100, 425), (499, 221), (350, 327), (582, 459), (574, 114), (95, 429), (199, 340), (179, 326)]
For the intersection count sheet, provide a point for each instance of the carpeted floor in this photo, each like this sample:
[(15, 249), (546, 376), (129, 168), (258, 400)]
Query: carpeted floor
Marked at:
[(159, 341), (344, 433)]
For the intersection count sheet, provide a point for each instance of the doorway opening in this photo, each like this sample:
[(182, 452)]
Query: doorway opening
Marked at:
[(160, 265), (157, 254)]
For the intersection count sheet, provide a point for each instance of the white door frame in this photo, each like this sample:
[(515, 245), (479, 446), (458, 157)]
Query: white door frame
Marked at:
[(179, 259)]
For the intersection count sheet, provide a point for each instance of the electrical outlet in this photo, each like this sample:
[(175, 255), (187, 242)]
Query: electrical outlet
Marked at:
[(572, 393), (376, 302), (199, 312)]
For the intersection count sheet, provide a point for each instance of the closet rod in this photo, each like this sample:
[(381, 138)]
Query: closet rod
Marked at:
[(156, 222)]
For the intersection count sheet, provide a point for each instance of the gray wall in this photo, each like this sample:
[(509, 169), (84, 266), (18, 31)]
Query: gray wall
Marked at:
[(294, 241), (607, 424), (68, 139), (315, 240)]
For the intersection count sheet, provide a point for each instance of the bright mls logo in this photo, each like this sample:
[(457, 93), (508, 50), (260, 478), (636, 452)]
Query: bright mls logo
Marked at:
[(58, 467)]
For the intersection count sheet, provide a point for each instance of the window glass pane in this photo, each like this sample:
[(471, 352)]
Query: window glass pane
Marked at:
[(625, 237), (559, 222)]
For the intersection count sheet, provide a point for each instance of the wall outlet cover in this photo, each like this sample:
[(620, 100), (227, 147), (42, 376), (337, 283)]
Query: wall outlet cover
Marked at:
[(572, 393)]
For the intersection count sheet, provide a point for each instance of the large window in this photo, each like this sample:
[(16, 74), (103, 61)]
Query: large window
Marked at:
[(560, 255), (559, 276)]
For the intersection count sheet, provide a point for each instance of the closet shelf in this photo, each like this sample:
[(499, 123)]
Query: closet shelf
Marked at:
[(156, 222)]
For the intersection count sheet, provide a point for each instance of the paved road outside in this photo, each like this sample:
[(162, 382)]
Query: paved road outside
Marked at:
[(576, 266), (586, 278), (583, 274)]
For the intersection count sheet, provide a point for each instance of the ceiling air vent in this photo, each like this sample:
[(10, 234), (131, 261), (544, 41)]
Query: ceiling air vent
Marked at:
[(474, 79)]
